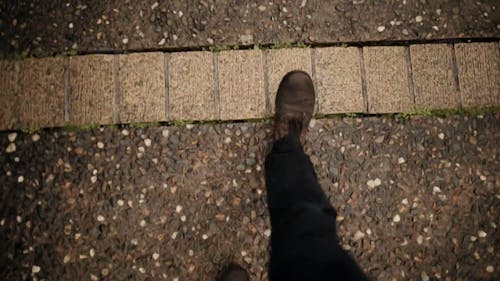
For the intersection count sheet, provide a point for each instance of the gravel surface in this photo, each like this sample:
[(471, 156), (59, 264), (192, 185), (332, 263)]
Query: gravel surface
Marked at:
[(43, 28), (417, 199)]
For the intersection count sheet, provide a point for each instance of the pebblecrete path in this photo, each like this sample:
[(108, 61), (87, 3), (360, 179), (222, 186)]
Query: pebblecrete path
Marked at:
[(417, 198)]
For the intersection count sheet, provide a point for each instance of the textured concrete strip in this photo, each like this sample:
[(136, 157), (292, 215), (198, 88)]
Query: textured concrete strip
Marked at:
[(192, 86), (241, 84), (478, 73), (338, 80), (41, 92), (387, 81), (279, 63), (91, 97), (142, 87), (8, 99), (433, 76)]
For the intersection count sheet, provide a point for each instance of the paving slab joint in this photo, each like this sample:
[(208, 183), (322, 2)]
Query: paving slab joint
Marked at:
[(363, 80), (455, 73), (411, 87), (66, 90), (266, 83), (117, 96), (167, 98), (216, 90)]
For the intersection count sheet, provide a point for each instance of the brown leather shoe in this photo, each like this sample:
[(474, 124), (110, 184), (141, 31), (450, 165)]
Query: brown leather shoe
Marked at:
[(233, 272), (294, 105)]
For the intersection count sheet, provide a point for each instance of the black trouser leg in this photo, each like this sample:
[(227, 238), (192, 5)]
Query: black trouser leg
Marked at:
[(304, 243)]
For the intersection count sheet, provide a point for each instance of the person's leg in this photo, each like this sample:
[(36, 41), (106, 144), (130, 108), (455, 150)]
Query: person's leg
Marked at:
[(304, 244)]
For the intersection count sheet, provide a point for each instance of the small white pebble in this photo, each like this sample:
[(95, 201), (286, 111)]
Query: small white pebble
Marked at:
[(125, 132), (178, 209), (35, 137), (374, 183), (418, 18), (66, 259), (473, 238), (396, 218), (92, 252), (19, 219), (147, 142), (174, 235), (35, 269), (154, 6), (401, 160), (490, 269), (481, 234), (381, 28), (267, 232), (77, 236), (435, 27), (70, 25), (189, 126), (156, 256), (93, 179), (100, 145), (243, 253), (165, 133), (142, 270), (183, 218), (204, 236), (359, 235), (104, 272), (404, 201), (11, 148), (12, 137), (20, 179), (125, 40), (424, 276), (420, 239), (436, 189), (142, 223), (100, 218), (441, 136), (162, 42), (120, 202), (134, 242)]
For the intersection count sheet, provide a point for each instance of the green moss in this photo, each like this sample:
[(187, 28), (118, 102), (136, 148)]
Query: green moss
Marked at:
[(68, 53), (448, 112), (142, 125), (87, 127), (30, 131)]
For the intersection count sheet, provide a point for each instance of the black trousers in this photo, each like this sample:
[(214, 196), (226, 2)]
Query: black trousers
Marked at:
[(304, 242)]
